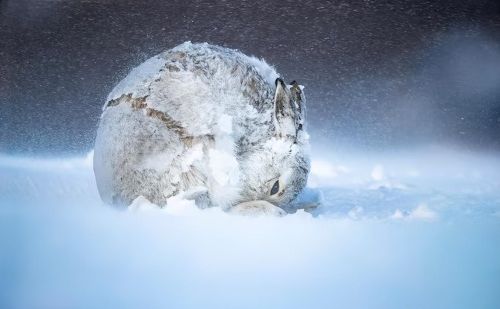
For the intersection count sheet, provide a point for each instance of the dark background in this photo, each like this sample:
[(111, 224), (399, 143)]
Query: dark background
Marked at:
[(378, 74)]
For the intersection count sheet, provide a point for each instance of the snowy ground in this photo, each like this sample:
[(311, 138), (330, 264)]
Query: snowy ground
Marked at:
[(414, 229)]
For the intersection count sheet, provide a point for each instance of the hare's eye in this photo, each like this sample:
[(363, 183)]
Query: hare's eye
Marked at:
[(275, 188)]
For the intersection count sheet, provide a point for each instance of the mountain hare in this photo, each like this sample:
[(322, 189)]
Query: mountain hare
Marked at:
[(207, 123)]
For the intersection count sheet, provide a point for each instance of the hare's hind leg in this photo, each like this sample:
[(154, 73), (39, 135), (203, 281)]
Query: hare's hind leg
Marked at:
[(257, 208)]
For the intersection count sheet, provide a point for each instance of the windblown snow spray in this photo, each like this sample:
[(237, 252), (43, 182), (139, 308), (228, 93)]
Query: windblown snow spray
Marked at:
[(205, 123)]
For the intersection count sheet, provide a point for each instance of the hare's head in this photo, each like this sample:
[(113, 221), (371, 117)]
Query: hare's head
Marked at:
[(277, 170)]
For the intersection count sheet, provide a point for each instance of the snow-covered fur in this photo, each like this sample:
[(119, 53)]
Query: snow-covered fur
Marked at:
[(206, 122)]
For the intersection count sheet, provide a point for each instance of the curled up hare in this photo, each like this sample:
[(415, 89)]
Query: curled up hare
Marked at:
[(208, 124)]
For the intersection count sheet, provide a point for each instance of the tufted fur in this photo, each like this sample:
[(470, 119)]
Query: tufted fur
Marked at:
[(204, 121)]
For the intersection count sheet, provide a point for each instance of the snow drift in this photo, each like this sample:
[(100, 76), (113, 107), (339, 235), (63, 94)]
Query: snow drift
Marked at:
[(417, 230)]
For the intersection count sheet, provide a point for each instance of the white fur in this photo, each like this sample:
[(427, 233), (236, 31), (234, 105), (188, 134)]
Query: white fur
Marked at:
[(199, 116)]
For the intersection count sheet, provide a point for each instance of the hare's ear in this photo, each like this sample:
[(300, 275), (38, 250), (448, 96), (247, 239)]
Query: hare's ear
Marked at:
[(297, 92), (284, 111)]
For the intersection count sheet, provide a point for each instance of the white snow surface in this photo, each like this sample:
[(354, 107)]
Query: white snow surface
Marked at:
[(415, 229)]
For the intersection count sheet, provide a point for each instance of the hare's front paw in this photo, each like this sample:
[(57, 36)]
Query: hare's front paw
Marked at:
[(257, 208)]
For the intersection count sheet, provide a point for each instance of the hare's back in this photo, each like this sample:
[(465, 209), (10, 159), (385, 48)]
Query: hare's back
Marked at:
[(197, 85)]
